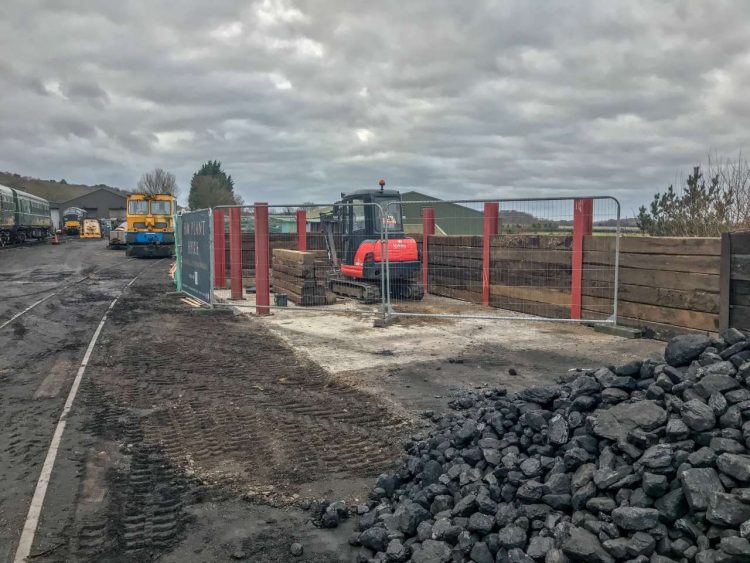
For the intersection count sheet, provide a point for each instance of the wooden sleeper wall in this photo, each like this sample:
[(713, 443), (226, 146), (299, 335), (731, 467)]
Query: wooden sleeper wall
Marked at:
[(531, 274), (528, 274), (455, 267), (667, 285)]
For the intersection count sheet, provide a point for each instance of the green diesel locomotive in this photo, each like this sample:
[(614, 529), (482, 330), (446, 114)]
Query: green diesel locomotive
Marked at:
[(23, 216)]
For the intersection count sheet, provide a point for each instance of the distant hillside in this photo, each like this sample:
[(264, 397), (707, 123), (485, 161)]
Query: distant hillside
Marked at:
[(512, 217), (52, 190)]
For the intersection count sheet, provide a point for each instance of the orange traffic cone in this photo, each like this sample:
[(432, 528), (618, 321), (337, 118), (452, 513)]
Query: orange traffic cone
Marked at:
[(55, 240)]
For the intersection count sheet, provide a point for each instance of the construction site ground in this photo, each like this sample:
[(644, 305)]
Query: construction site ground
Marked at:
[(197, 434)]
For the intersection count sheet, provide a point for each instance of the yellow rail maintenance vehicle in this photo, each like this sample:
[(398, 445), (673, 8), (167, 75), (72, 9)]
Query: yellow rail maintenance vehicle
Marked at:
[(150, 226), (91, 229)]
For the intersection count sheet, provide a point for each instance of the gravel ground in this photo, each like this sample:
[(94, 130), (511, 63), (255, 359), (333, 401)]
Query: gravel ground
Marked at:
[(195, 436), (186, 422), (40, 353)]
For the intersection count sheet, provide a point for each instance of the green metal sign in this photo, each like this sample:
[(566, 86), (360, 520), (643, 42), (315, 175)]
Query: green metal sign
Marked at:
[(195, 255)]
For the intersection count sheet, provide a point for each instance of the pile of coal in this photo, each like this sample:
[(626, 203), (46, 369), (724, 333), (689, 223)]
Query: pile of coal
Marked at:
[(326, 513), (647, 461)]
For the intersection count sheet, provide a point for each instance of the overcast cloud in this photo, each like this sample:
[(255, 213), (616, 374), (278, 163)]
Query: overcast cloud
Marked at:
[(303, 99)]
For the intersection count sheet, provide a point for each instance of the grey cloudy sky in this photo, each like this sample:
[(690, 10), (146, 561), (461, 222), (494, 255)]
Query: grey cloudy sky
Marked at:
[(303, 99)]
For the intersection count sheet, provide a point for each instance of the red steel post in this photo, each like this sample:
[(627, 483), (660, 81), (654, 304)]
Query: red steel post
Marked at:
[(428, 228), (235, 251), (583, 224), (220, 244), (491, 220), (302, 230), (262, 285)]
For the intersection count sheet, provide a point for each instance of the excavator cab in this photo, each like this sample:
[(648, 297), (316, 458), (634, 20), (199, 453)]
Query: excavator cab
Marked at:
[(355, 230), (361, 221)]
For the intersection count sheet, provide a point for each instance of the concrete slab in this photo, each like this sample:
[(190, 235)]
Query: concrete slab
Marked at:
[(418, 362)]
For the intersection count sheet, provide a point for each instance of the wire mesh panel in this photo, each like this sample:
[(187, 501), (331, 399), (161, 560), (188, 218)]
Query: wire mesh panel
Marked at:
[(245, 258), (505, 259), (299, 260), (320, 257)]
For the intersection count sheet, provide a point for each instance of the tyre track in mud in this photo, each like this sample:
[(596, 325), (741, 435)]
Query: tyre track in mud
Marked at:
[(186, 405), (228, 400), (142, 514), (41, 352), (128, 499)]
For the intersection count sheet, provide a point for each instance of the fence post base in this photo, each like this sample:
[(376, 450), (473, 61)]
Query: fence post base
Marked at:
[(618, 330), (384, 320)]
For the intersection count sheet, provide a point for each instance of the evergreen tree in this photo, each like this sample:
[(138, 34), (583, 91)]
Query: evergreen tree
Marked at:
[(211, 186), (702, 209)]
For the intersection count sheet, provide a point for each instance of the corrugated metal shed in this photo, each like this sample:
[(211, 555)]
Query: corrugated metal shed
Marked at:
[(450, 218), (100, 204)]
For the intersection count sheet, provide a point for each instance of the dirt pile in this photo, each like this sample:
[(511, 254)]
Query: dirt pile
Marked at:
[(642, 462)]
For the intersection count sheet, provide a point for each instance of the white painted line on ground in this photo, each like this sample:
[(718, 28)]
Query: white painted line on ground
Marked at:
[(42, 300), (35, 510), (26, 310)]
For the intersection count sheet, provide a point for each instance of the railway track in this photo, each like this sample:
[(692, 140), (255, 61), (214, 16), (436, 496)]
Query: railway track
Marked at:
[(53, 291), (6, 245), (30, 243)]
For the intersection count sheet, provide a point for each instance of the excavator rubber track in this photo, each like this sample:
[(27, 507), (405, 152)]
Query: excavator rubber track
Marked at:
[(361, 291), (408, 290)]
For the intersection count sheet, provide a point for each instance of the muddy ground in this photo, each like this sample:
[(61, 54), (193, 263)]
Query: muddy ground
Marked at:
[(196, 434)]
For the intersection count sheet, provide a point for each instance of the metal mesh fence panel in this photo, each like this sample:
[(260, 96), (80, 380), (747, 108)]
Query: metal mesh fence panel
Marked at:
[(505, 259), (306, 280)]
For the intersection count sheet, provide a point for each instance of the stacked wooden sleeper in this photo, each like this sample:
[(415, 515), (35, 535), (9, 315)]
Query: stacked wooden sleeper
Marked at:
[(302, 276)]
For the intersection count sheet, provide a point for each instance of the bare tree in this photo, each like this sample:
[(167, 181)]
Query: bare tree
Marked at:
[(734, 178), (158, 181), (710, 203)]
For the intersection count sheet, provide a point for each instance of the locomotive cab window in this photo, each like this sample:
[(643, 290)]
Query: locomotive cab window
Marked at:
[(138, 207), (160, 207)]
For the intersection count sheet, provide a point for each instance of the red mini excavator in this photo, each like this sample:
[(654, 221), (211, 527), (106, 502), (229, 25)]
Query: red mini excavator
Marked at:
[(354, 233)]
